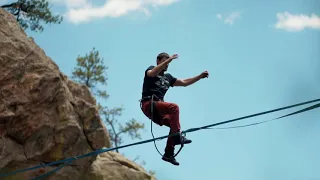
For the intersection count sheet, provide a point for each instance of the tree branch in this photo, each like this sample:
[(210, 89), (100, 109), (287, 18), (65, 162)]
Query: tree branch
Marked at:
[(18, 14), (115, 133), (123, 131), (9, 5)]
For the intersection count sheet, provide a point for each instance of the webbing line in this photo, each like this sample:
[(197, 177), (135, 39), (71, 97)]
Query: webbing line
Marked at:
[(249, 116), (261, 122), (52, 171), (153, 139)]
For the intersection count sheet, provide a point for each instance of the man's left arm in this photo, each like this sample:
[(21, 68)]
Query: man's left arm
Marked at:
[(189, 81)]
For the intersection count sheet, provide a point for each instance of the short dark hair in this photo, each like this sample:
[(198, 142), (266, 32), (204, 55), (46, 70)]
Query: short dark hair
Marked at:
[(162, 55)]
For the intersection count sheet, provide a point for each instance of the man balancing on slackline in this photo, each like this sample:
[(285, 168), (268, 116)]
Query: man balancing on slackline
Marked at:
[(156, 83)]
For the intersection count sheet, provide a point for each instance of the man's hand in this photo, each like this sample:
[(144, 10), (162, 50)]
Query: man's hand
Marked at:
[(175, 56), (189, 81), (204, 74)]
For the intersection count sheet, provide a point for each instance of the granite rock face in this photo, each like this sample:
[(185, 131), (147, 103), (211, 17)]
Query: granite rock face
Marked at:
[(45, 117)]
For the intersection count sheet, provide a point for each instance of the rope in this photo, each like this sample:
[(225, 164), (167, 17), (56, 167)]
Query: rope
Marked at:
[(253, 124), (152, 116), (155, 145), (253, 115), (53, 171), (69, 160)]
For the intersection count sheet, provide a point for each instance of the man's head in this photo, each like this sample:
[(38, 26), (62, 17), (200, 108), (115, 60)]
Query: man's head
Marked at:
[(162, 57)]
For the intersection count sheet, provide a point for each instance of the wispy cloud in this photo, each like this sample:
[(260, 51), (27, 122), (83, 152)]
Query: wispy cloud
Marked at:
[(70, 3), (299, 22), (230, 18), (80, 11), (219, 16)]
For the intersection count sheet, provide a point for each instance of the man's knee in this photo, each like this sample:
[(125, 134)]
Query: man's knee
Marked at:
[(174, 107)]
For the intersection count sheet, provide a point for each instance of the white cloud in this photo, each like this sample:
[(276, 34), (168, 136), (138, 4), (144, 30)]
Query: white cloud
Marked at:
[(290, 22), (80, 11), (230, 18), (70, 3), (219, 16)]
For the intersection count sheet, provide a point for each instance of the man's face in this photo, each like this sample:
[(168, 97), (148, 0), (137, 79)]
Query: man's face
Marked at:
[(161, 60)]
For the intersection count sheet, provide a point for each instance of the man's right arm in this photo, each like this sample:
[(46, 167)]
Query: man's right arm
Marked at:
[(156, 70)]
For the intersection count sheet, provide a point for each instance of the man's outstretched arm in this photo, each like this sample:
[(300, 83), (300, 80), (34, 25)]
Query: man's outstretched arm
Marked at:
[(156, 70), (189, 81)]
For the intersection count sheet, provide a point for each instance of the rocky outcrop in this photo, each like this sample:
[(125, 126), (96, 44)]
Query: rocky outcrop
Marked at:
[(45, 117)]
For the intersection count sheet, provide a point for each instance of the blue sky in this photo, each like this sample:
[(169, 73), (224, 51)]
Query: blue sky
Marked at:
[(260, 55)]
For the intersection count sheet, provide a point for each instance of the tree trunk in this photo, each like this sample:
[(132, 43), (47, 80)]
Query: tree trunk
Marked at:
[(116, 143), (115, 135)]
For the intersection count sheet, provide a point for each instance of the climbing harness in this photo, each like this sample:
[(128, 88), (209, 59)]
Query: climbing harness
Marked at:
[(153, 112)]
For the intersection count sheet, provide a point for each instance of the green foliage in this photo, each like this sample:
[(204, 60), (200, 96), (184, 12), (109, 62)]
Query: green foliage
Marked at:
[(116, 129), (132, 128), (90, 71), (30, 13)]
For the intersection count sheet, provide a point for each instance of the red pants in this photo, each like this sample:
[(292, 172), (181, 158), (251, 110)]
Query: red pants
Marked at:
[(166, 114)]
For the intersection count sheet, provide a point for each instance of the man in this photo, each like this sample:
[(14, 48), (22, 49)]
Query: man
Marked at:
[(156, 83)]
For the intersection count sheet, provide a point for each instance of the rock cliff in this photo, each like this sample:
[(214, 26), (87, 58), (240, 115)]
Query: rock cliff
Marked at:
[(45, 117)]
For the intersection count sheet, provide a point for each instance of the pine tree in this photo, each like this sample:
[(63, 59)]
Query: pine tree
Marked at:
[(91, 71), (30, 13)]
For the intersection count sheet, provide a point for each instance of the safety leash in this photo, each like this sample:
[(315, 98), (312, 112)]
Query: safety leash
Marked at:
[(154, 141)]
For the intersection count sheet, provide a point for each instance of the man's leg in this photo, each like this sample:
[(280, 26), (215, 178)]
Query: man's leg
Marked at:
[(170, 117)]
